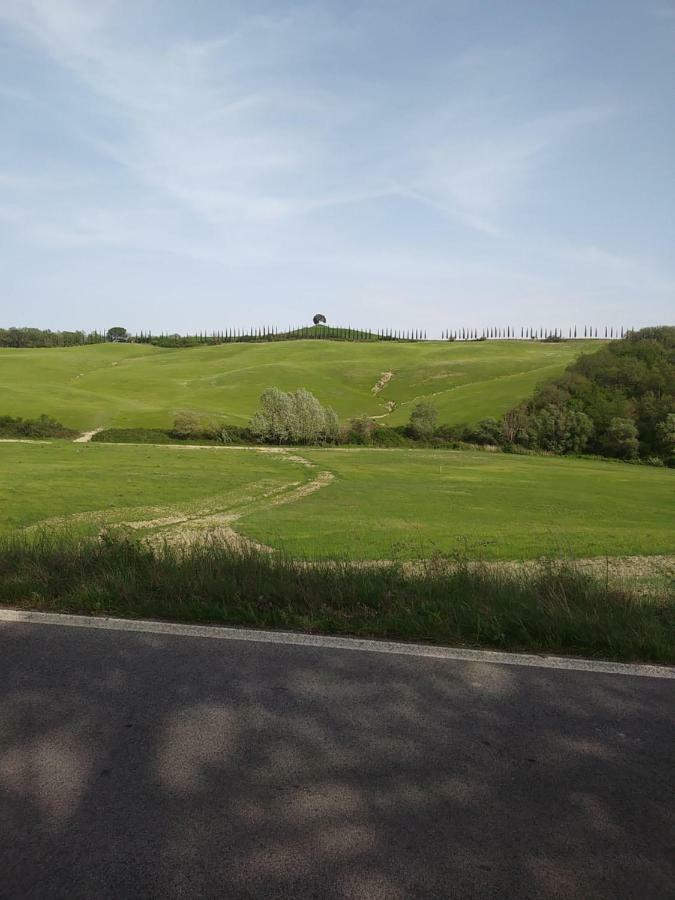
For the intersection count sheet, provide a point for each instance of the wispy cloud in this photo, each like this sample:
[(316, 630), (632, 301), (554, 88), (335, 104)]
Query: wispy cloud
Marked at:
[(295, 134), (195, 124)]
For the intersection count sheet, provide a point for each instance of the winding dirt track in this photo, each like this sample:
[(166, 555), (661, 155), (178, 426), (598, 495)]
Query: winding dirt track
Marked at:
[(184, 528)]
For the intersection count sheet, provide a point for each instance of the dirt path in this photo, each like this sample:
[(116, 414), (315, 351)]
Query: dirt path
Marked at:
[(187, 530), (382, 382), (87, 436), (204, 521)]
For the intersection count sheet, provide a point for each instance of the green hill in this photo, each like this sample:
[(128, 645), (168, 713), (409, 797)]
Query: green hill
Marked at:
[(137, 385)]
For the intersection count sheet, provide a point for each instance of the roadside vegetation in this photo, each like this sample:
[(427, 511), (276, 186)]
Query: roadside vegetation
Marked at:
[(553, 607)]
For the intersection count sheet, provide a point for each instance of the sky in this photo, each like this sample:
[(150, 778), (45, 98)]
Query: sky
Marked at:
[(180, 167)]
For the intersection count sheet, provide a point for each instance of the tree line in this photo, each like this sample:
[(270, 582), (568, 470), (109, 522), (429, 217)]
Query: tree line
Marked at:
[(36, 337), (39, 337), (536, 334)]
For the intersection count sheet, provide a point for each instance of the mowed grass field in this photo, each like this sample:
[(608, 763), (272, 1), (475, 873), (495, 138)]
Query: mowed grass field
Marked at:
[(496, 506), (354, 504), (82, 487), (137, 385)]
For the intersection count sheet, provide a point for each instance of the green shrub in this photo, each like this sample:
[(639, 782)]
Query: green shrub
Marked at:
[(389, 437), (43, 427)]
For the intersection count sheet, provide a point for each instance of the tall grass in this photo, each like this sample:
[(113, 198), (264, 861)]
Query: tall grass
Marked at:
[(548, 607)]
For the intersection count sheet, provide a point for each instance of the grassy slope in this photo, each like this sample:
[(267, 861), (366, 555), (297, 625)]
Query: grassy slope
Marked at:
[(120, 385), (380, 502)]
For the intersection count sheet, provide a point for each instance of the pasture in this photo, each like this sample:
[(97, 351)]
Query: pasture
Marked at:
[(354, 504), (138, 385)]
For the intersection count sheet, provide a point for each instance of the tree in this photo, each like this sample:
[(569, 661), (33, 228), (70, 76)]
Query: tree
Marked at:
[(621, 439), (423, 420), (271, 422), (513, 426), (308, 418), (561, 429), (665, 436), (297, 417), (117, 333), (332, 426)]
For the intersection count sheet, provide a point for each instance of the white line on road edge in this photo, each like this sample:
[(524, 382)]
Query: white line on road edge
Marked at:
[(329, 642)]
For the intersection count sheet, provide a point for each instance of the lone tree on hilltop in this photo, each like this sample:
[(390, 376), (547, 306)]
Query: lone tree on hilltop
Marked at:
[(117, 333), (319, 319)]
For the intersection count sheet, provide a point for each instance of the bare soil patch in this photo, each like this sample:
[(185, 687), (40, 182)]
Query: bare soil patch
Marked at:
[(86, 436), (382, 382)]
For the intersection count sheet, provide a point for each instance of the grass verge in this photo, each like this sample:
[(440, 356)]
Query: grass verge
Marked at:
[(552, 606)]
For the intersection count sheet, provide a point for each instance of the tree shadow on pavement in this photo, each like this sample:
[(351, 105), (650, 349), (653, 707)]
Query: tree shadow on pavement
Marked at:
[(136, 765)]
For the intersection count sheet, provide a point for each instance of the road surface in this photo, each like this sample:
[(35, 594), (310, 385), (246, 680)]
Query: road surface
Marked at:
[(142, 764)]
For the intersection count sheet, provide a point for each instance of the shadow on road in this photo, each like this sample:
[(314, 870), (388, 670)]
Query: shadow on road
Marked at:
[(138, 765)]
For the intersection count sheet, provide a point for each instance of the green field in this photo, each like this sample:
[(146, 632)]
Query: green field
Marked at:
[(86, 486), (360, 504), (413, 502), (138, 385)]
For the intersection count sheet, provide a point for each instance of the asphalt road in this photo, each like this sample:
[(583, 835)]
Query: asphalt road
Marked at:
[(152, 765)]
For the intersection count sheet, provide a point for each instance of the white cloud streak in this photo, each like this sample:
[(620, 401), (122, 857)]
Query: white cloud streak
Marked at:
[(195, 126), (240, 149)]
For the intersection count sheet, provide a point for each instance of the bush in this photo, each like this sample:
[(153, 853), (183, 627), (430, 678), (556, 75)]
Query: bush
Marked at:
[(361, 430), (487, 431), (389, 437), (185, 425), (132, 436), (43, 427)]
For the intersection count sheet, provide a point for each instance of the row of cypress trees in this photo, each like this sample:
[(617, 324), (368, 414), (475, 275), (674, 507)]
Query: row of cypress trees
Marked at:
[(526, 333), (272, 333)]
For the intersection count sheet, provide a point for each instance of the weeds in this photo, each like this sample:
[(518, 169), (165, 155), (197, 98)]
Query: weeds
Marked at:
[(550, 606)]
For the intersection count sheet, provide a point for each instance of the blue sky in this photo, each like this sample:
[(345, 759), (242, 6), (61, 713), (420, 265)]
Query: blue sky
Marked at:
[(425, 163)]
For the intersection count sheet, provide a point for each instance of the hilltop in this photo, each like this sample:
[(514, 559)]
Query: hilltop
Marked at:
[(139, 385)]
